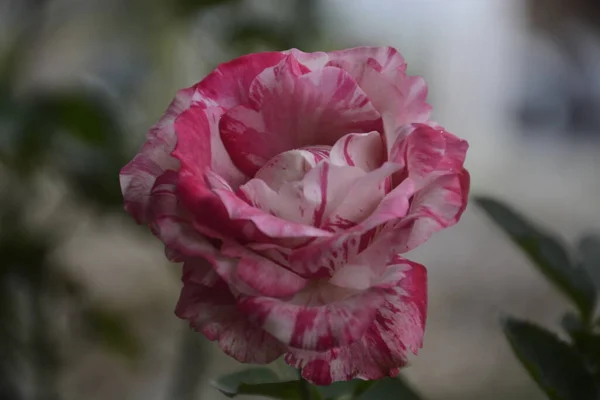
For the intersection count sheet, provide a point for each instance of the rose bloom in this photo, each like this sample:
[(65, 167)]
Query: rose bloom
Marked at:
[(288, 184)]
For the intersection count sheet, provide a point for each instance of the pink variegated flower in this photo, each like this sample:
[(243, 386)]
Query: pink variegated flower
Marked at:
[(288, 184)]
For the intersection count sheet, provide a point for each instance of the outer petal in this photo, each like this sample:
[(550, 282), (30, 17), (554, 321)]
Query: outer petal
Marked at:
[(381, 73), (226, 87), (229, 85), (173, 225), (390, 61), (208, 303), (429, 153), (294, 110), (319, 327), (373, 67), (201, 147), (396, 331), (153, 159), (438, 206)]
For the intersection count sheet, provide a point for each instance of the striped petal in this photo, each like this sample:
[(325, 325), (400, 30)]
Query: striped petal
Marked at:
[(199, 146), (362, 150), (307, 201), (229, 84), (293, 109), (381, 73), (264, 275), (315, 327), (436, 207), (226, 87), (207, 302), (396, 331), (428, 153), (152, 160), (327, 255)]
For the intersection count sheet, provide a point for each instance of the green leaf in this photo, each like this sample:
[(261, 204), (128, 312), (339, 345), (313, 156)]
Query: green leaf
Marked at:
[(546, 252), (390, 388), (111, 330), (552, 363), (284, 371), (289, 390), (347, 389), (572, 324), (589, 255), (258, 381)]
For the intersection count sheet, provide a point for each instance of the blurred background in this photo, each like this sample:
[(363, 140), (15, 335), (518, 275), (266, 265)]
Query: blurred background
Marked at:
[(87, 298)]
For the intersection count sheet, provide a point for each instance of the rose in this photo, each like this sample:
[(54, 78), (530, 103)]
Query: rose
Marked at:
[(288, 183)]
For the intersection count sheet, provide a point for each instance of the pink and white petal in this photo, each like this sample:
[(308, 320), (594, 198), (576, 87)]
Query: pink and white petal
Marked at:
[(380, 72), (267, 224), (174, 226), (421, 151), (220, 214), (153, 159), (199, 271), (325, 187), (263, 275), (289, 166), (307, 202), (199, 146), (438, 206), (397, 330), (416, 108), (274, 252), (361, 198), (455, 154), (275, 81), (228, 85), (387, 59), (248, 344), (211, 309), (277, 188), (294, 112), (313, 61), (363, 150), (208, 194), (401, 320), (325, 256), (384, 93), (317, 328), (387, 62), (288, 203), (428, 153)]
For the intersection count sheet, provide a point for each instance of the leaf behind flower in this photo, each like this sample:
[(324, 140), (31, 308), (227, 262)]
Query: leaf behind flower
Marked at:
[(258, 381), (552, 363), (546, 252)]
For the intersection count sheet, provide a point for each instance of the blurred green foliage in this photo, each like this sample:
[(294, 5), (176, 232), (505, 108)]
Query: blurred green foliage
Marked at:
[(564, 370), (265, 382), (77, 135)]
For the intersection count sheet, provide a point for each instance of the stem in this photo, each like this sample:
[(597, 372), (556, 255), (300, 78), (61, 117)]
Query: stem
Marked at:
[(305, 389), (44, 350), (189, 367)]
